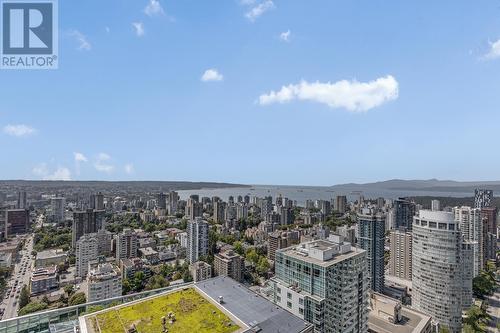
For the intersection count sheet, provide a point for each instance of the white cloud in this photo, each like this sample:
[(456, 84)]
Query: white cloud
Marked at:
[(138, 28), (83, 43), (40, 169), (247, 2), (20, 130), (260, 9), (211, 75), (285, 36), (494, 51), (352, 95), (129, 168), (103, 157), (79, 157), (60, 173), (154, 8), (108, 30), (101, 165)]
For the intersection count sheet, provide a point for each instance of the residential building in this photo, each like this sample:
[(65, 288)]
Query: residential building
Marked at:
[(126, 244), (280, 240), (404, 210), (50, 257), (230, 264), (471, 225), (21, 200), (482, 198), (400, 261), (341, 203), (200, 271), (389, 315), (437, 267), (435, 205), (86, 250), (219, 211), (43, 280), (173, 200), (17, 222), (86, 222), (371, 238), (129, 267), (197, 232), (325, 283), (104, 281), (58, 206)]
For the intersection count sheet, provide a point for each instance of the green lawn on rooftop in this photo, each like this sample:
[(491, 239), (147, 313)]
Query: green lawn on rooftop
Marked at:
[(193, 313)]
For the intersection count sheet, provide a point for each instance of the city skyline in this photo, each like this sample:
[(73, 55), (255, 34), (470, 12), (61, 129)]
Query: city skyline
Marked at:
[(253, 90)]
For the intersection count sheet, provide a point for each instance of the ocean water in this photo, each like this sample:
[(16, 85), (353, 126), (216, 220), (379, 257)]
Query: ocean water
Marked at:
[(303, 193)]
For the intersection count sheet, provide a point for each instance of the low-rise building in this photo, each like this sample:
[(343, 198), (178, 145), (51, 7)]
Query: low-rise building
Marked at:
[(50, 257), (230, 264), (388, 315), (104, 281), (131, 266), (43, 280), (150, 255), (200, 271)]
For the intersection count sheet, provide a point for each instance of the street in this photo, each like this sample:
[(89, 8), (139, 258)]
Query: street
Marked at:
[(20, 277), (494, 311)]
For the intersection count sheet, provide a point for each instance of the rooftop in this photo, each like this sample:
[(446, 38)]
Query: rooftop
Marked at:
[(47, 254), (251, 308), (323, 252), (411, 320)]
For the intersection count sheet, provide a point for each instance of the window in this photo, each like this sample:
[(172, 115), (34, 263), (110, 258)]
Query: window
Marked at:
[(301, 311), (289, 305), (289, 295), (301, 301)]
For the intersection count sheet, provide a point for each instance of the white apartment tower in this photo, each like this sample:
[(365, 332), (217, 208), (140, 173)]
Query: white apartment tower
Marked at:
[(197, 239), (470, 223), (86, 250), (438, 273)]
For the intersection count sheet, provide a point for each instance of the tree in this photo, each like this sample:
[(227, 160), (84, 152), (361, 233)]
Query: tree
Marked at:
[(32, 307), (156, 282), (262, 266), (238, 248), (77, 298), (252, 256), (126, 286), (138, 282), (186, 276), (24, 297), (69, 289), (444, 329)]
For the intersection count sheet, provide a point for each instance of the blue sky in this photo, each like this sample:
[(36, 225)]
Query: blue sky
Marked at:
[(296, 92)]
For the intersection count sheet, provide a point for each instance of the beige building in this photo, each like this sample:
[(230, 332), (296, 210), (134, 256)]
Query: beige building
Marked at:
[(200, 271), (388, 315), (401, 254), (229, 264), (104, 281)]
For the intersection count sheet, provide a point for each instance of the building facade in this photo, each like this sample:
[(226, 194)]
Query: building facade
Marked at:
[(325, 283), (229, 264), (401, 254), (371, 238), (197, 239), (438, 276)]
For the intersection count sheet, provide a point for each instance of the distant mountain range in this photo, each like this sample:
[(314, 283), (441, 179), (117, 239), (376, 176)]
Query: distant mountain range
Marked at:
[(430, 185)]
